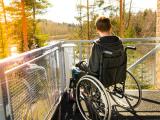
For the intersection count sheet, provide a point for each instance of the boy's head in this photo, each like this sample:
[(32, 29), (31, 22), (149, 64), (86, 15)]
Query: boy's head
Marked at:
[(103, 24)]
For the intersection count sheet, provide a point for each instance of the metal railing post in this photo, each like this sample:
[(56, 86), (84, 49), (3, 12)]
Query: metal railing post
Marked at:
[(154, 70), (6, 109), (62, 83), (62, 68), (80, 51)]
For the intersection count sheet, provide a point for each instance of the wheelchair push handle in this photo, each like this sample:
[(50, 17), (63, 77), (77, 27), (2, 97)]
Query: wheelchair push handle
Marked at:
[(82, 65), (130, 47), (79, 63)]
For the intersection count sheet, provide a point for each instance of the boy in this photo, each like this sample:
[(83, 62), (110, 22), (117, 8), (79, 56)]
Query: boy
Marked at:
[(105, 42)]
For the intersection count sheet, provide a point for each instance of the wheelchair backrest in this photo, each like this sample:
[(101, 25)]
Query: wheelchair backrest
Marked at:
[(113, 67)]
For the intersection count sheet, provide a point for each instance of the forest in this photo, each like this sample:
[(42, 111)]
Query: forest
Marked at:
[(21, 30), (141, 24)]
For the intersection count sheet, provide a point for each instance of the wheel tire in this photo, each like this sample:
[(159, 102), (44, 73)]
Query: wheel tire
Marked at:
[(97, 110), (132, 92)]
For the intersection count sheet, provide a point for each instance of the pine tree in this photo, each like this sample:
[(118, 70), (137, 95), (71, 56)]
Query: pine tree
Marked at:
[(23, 14), (3, 31)]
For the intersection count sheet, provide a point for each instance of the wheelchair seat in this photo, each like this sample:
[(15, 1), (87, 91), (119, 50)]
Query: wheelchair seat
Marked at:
[(113, 67)]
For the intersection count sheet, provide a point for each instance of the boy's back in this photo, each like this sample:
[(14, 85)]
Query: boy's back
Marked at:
[(106, 42)]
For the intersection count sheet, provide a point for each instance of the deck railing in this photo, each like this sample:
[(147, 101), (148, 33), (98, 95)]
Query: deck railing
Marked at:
[(32, 84)]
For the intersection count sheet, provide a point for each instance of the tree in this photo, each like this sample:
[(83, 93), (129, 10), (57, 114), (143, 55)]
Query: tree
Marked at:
[(23, 14), (86, 18), (129, 15), (24, 26), (88, 14), (140, 24), (36, 7), (4, 32)]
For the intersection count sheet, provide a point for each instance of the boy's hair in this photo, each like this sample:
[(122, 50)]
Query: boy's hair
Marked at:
[(103, 24)]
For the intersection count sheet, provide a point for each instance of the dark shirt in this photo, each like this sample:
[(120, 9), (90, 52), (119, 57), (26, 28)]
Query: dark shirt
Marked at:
[(109, 43)]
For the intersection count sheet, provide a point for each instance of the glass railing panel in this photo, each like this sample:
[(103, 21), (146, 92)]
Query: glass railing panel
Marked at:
[(32, 84), (145, 72), (145, 69)]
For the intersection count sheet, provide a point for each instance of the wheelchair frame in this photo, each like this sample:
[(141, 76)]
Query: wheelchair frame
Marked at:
[(93, 100)]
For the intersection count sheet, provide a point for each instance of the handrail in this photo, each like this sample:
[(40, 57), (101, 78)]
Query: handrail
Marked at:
[(13, 68), (3, 61), (148, 39)]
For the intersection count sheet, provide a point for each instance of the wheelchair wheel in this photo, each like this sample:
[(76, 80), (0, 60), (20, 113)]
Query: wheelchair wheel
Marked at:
[(127, 95), (92, 99)]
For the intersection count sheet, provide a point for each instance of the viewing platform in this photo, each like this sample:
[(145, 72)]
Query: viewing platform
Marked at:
[(34, 85)]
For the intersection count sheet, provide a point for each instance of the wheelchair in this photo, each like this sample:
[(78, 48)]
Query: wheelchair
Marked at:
[(92, 95)]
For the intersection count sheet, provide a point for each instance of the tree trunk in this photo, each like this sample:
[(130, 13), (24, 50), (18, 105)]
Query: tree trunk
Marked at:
[(34, 18), (4, 12), (121, 18), (122, 15), (4, 44), (24, 27), (88, 28), (129, 17)]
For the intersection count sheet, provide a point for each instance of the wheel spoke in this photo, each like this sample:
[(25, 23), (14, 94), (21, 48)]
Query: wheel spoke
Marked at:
[(128, 97)]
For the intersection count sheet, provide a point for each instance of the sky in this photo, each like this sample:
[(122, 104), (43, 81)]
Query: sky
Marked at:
[(62, 11), (65, 10)]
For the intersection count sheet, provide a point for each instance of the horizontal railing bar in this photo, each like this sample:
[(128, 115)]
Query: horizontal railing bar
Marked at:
[(147, 43), (141, 39), (22, 65), (123, 40), (3, 61)]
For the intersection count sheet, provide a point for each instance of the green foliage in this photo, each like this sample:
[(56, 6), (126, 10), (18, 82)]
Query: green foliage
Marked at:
[(130, 32), (144, 23), (41, 40), (56, 30), (115, 25)]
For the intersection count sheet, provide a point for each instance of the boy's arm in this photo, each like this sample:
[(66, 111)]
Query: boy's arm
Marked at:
[(94, 61)]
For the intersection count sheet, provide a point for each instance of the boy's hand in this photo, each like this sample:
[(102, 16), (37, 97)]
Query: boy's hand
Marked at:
[(82, 65)]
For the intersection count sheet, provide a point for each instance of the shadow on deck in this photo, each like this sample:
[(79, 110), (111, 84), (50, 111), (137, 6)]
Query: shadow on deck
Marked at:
[(149, 109)]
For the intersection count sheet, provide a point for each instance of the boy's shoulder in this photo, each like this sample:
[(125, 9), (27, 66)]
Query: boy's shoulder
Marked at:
[(96, 41), (107, 39)]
